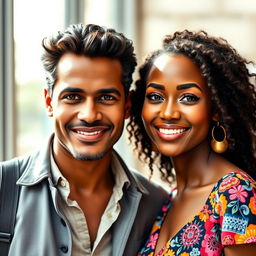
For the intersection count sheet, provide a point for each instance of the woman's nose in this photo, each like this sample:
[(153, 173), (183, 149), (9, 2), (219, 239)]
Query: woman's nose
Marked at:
[(170, 111)]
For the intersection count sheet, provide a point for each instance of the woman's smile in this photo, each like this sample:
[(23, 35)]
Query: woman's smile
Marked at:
[(170, 133)]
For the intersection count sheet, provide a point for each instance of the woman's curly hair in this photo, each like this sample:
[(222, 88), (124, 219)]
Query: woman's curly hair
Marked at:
[(232, 92)]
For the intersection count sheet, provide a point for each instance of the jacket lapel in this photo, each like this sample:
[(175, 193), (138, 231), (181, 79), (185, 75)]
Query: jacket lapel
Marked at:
[(122, 227)]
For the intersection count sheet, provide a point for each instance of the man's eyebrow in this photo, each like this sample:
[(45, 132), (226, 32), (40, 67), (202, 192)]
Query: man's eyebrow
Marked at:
[(188, 85), (72, 89), (156, 86), (109, 90)]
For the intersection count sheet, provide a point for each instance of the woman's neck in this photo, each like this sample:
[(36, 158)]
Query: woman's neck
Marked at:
[(193, 168)]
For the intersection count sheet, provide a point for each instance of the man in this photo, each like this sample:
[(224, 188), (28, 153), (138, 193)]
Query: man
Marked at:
[(77, 196)]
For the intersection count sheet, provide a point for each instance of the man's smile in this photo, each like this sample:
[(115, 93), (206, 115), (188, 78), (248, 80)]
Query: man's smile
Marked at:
[(90, 133)]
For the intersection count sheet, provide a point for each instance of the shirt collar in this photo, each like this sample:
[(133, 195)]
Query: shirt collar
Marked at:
[(55, 171), (119, 173), (38, 167)]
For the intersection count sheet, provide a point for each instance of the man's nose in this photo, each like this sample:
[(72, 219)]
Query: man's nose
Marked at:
[(89, 111)]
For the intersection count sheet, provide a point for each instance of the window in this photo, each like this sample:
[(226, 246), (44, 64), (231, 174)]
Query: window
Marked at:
[(33, 20)]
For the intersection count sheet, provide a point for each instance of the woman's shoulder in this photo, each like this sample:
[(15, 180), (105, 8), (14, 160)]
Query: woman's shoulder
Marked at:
[(229, 175), (235, 180), (235, 194), (234, 205)]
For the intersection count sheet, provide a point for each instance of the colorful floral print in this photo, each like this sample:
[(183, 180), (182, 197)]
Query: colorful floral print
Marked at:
[(221, 205), (205, 213), (238, 193), (152, 241), (248, 237), (227, 218), (252, 204), (228, 182)]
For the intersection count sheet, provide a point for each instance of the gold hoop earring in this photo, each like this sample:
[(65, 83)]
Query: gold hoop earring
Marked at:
[(219, 146)]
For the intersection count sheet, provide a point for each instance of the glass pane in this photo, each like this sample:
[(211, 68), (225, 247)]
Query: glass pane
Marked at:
[(33, 20)]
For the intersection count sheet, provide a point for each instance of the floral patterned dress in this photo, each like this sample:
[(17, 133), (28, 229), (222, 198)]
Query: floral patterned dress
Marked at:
[(227, 218)]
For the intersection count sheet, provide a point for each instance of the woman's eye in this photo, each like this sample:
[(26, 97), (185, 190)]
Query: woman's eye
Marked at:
[(155, 98), (189, 98)]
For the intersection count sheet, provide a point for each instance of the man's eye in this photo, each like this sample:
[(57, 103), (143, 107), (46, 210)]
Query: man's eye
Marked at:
[(72, 97), (189, 99), (155, 98), (106, 98)]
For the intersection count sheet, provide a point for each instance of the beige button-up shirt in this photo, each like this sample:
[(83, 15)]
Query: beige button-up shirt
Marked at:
[(70, 209)]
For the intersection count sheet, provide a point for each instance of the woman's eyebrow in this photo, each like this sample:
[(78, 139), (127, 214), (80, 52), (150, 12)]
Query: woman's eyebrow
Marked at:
[(188, 85), (156, 86)]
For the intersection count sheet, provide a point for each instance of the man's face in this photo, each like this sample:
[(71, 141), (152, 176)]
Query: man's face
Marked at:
[(88, 106)]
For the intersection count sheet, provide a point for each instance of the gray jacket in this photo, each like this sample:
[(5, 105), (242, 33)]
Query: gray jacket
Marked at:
[(41, 230)]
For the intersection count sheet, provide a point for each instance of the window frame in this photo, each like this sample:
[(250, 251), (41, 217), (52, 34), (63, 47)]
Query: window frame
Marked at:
[(7, 84)]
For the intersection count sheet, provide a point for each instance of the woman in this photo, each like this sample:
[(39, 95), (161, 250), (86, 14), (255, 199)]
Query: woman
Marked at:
[(199, 116)]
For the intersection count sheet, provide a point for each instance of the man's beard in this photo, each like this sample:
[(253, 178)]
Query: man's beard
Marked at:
[(86, 157)]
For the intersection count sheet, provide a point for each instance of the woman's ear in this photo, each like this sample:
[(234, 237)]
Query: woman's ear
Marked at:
[(215, 117), (48, 102)]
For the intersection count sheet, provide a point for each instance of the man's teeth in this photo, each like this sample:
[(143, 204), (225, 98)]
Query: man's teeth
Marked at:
[(171, 131), (88, 133)]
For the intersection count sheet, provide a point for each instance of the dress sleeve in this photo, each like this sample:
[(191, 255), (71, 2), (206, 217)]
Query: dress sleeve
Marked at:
[(236, 208)]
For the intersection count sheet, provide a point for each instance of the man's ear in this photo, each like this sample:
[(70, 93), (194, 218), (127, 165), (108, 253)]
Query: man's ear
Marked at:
[(128, 105), (48, 102)]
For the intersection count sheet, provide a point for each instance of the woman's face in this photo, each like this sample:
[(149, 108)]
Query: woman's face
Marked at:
[(177, 109)]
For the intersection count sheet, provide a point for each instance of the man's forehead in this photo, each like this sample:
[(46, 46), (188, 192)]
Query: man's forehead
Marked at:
[(89, 65)]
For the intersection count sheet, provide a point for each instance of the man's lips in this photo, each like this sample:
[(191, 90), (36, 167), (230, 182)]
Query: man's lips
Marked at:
[(89, 133)]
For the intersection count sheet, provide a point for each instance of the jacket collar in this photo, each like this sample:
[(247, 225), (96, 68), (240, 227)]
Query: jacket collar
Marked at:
[(131, 175), (38, 169)]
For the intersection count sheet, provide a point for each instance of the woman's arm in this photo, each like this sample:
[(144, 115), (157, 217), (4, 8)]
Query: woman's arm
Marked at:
[(240, 250)]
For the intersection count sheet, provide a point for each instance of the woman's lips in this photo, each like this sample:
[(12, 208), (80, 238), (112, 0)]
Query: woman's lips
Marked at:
[(170, 133)]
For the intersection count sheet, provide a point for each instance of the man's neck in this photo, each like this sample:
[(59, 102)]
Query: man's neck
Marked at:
[(85, 175), (91, 185)]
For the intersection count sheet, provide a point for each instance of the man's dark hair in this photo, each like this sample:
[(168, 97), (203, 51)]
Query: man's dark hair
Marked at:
[(90, 41)]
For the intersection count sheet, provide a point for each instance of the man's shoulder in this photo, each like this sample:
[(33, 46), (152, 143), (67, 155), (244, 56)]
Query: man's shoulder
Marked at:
[(151, 186), (39, 152), (21, 161)]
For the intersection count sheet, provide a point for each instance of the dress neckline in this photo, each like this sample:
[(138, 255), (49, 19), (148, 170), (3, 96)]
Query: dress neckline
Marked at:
[(168, 205)]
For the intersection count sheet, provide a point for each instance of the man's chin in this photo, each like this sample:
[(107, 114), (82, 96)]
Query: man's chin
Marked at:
[(88, 157)]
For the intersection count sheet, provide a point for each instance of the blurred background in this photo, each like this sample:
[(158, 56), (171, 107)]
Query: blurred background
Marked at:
[(24, 23)]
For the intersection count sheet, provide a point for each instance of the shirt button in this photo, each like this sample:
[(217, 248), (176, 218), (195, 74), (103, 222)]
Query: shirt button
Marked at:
[(64, 248), (109, 215), (63, 183)]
